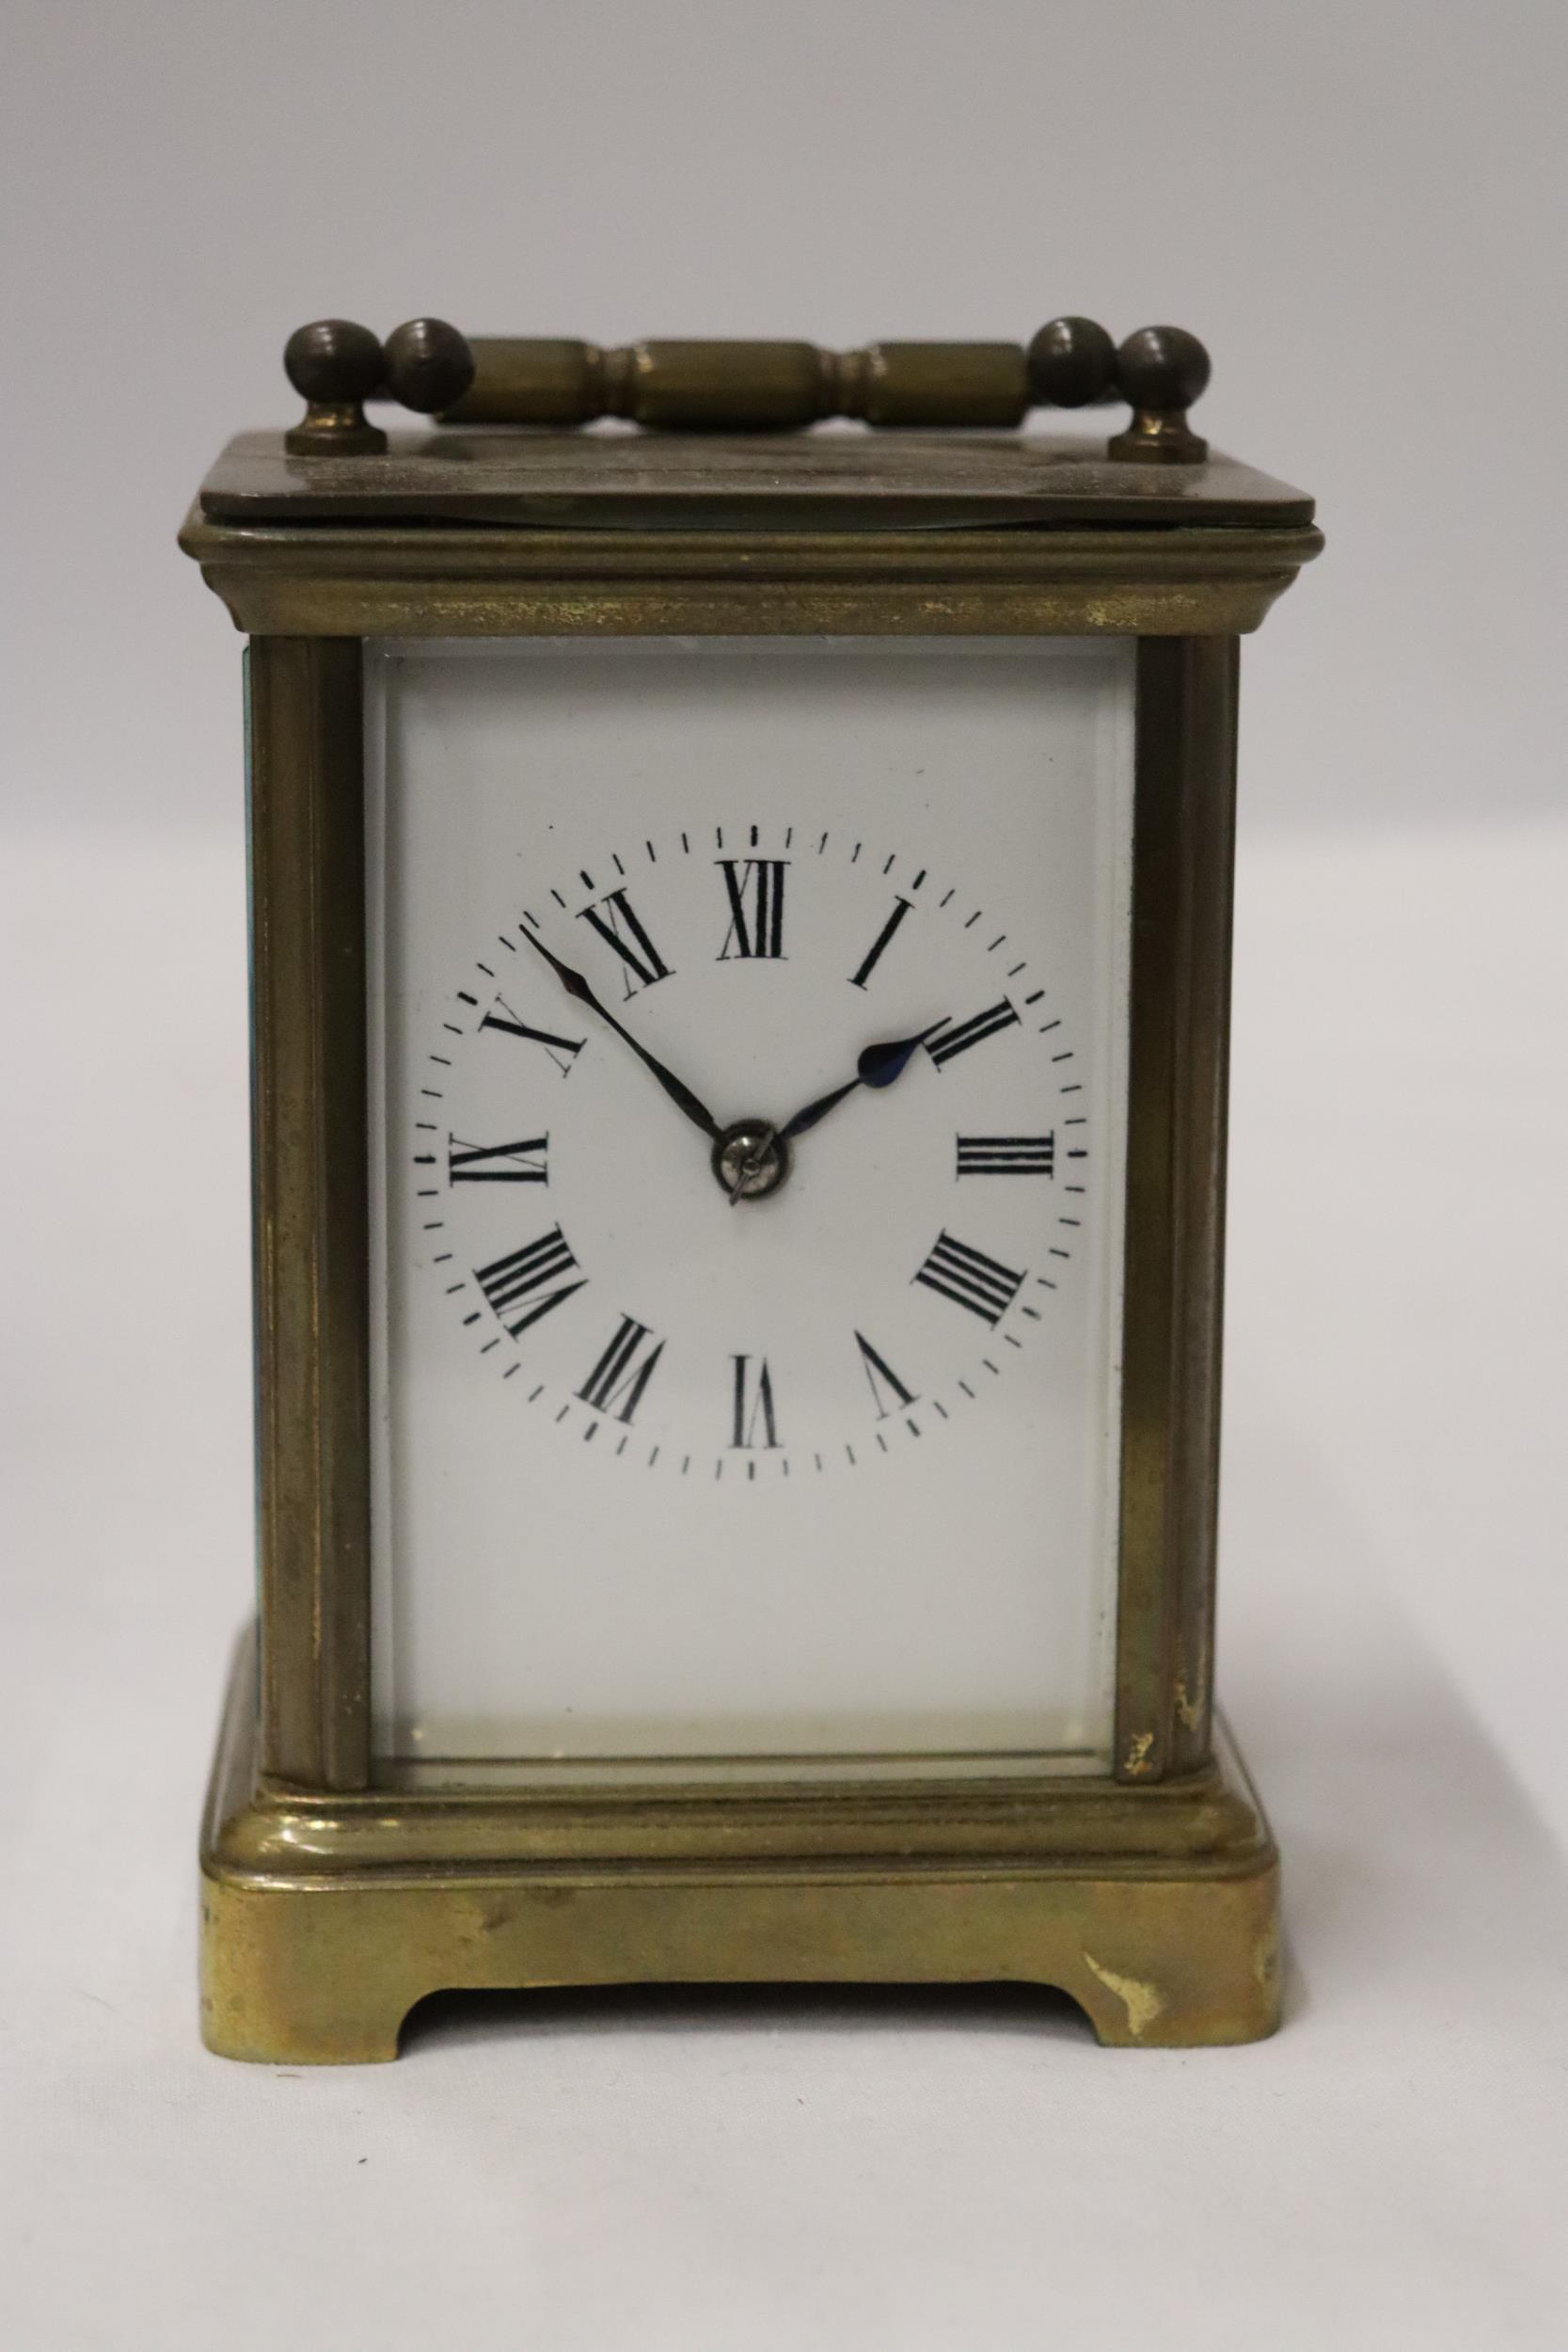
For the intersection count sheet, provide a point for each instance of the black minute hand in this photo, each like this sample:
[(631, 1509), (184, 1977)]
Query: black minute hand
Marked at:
[(678, 1091), (878, 1066)]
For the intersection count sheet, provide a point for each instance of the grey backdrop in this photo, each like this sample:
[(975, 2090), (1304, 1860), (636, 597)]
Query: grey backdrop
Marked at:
[(1358, 204)]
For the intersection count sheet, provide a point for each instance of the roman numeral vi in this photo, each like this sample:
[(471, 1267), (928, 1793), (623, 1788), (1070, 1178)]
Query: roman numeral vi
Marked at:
[(753, 1403)]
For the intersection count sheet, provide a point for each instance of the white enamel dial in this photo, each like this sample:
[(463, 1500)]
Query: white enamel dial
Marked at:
[(739, 1393), (672, 1313)]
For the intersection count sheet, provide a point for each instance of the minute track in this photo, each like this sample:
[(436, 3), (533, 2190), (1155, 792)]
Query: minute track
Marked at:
[(971, 1273)]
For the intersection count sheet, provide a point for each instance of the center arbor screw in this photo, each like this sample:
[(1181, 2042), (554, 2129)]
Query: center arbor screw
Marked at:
[(751, 1160)]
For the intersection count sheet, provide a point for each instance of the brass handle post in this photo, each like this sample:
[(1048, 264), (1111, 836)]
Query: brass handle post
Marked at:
[(336, 366), (1161, 371)]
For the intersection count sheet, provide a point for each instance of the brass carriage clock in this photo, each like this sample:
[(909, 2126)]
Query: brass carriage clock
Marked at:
[(740, 921)]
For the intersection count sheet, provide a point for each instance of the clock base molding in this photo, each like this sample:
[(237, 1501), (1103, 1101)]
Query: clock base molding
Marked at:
[(326, 1918)]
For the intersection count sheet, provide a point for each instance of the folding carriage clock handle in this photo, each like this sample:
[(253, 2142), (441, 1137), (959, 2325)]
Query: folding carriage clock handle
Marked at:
[(743, 386)]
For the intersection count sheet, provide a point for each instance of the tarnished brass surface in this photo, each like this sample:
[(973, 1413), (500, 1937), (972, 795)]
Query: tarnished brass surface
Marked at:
[(725, 386), (321, 581), (330, 1905), (687, 385), (324, 1920), (335, 428), (703, 385), (1184, 827), (335, 366), (1161, 371), (311, 1206), (338, 365), (535, 380), (311, 1180), (709, 385), (1158, 438), (843, 480)]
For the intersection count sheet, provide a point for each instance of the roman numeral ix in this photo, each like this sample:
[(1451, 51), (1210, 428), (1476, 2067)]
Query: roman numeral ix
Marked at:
[(523, 1276), (755, 888), (947, 1042), (1007, 1155), (623, 1371), (521, 1163), (753, 1403), (969, 1279), (618, 925)]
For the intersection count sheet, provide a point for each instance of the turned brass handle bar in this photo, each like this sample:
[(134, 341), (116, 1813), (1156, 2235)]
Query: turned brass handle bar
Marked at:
[(743, 386), (676, 386)]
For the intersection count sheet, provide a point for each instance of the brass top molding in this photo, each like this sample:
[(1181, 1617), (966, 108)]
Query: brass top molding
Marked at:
[(693, 386)]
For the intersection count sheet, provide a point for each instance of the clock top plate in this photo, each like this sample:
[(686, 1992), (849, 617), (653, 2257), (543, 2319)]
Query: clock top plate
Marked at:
[(831, 478)]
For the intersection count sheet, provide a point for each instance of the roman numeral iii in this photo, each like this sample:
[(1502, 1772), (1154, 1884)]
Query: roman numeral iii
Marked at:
[(618, 925), (969, 1279), (753, 1403), (623, 1371), (521, 1163), (563, 1051), (522, 1277), (1007, 1155), (947, 1042), (754, 888)]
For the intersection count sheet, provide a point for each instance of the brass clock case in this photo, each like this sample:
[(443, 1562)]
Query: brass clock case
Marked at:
[(333, 1900)]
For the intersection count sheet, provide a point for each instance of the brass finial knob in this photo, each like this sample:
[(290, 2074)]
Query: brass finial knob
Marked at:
[(1161, 371), (335, 366), (1072, 363), (429, 365)]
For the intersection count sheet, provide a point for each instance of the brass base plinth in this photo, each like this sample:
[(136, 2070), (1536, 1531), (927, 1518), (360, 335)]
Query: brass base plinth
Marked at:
[(326, 1918)]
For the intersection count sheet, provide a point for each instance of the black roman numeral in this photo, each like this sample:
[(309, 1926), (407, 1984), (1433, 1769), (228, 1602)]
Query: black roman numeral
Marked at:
[(753, 1403), (1007, 1155), (511, 1280), (754, 888), (623, 1371), (900, 908), (947, 1042), (521, 1163), (563, 1051), (882, 1378), (620, 928), (969, 1279)]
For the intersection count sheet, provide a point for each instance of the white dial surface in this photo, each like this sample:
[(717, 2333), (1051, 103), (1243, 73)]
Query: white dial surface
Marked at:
[(747, 1060)]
